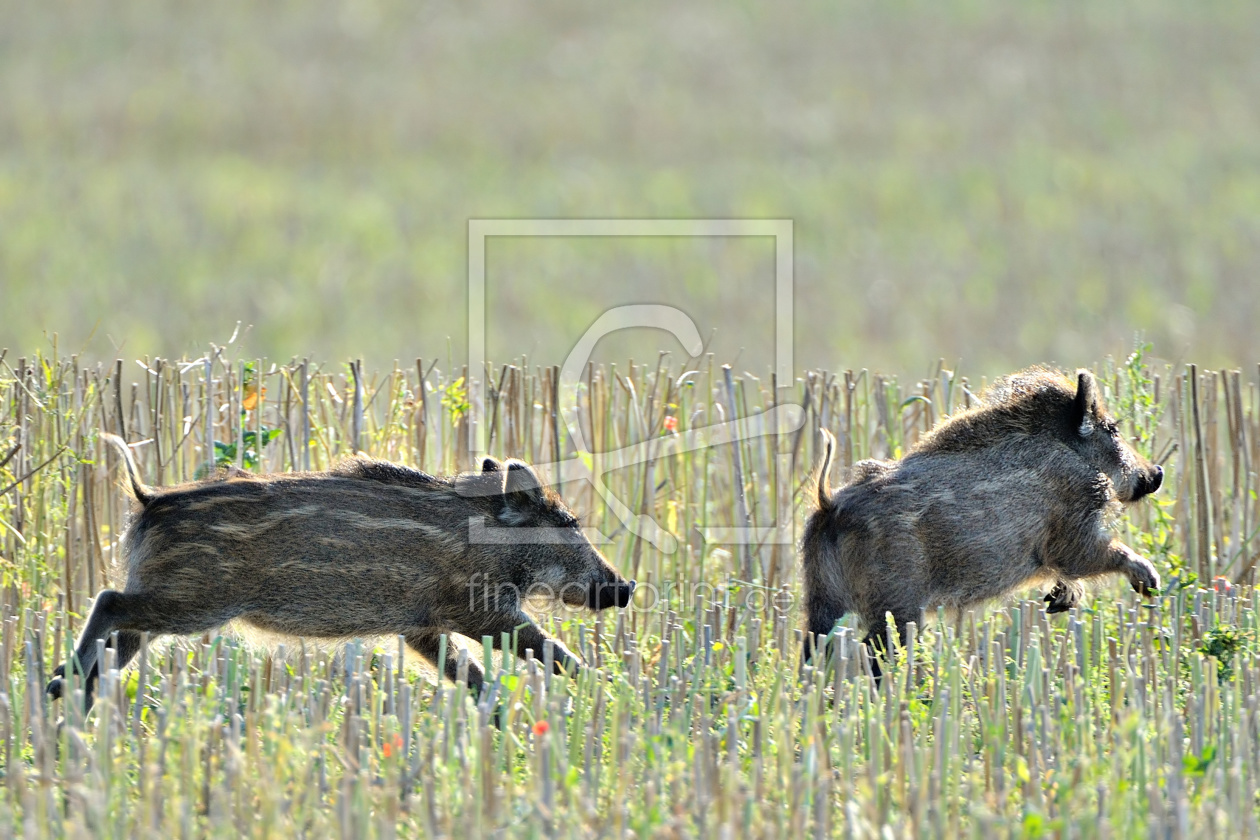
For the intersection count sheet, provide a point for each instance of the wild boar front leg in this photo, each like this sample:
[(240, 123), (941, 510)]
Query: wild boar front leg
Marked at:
[(1141, 573), (877, 636), (1115, 557), (821, 617), (427, 642), (529, 636)]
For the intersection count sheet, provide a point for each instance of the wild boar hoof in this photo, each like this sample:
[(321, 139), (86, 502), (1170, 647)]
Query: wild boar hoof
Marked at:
[(1144, 578), (55, 685), (1060, 599)]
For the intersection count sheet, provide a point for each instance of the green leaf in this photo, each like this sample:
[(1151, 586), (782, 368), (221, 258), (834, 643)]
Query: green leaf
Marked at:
[(1197, 765), (224, 453), (1034, 825)]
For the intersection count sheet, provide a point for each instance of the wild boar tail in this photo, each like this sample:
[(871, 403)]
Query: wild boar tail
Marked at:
[(142, 494), (824, 483)]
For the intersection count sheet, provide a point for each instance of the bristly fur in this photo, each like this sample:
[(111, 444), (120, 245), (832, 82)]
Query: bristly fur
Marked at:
[(1034, 401), (368, 548), (1011, 492)]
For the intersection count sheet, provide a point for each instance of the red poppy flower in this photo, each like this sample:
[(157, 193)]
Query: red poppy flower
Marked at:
[(389, 746)]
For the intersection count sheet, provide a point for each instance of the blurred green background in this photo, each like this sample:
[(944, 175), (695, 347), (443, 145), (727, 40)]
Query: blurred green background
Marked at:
[(992, 183)]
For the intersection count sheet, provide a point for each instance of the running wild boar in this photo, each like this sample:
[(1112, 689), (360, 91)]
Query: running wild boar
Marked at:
[(367, 549), (1011, 493)]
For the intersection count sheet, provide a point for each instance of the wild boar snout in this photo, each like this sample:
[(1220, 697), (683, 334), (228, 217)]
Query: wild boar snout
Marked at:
[(610, 594), (1149, 481), (1137, 478)]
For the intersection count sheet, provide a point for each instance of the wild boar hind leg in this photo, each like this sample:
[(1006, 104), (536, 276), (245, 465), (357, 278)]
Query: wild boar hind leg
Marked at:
[(1065, 595), (129, 614)]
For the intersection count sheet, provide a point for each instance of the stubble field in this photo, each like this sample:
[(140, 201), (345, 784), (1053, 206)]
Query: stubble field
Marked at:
[(695, 718)]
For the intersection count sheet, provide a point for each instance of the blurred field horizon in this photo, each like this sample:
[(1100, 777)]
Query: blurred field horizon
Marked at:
[(990, 184)]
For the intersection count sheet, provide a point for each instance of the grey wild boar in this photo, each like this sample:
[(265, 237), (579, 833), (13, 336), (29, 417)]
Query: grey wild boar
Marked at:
[(1014, 492), (367, 549)]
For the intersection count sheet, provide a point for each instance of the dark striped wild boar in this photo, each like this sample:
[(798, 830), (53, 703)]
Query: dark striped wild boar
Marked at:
[(1014, 492), (367, 549)]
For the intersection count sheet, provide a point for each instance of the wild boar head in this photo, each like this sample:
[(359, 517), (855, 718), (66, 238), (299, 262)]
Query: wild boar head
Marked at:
[(1096, 437), (542, 536)]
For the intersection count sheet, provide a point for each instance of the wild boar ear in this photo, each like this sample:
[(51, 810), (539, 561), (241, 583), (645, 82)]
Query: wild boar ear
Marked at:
[(1085, 408), (489, 465), (521, 487)]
